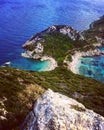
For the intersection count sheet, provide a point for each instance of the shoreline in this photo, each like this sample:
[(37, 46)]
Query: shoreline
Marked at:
[(53, 62), (73, 65), (75, 60)]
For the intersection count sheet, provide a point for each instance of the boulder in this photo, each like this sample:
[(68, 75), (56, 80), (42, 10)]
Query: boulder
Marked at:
[(54, 111)]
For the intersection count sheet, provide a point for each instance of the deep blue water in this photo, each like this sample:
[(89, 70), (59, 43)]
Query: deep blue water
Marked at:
[(20, 19)]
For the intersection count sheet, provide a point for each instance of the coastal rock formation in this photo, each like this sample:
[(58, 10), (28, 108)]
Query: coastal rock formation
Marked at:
[(66, 30), (35, 46), (94, 34), (54, 111), (96, 30), (42, 47), (98, 26)]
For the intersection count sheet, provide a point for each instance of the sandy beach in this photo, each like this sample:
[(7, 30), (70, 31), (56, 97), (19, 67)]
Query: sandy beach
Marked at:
[(73, 66), (75, 60), (53, 63)]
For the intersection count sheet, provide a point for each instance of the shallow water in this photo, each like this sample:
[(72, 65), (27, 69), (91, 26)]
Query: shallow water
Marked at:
[(92, 67), (29, 64), (20, 19)]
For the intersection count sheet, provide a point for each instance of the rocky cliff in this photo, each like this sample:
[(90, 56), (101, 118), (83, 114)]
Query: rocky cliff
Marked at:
[(59, 42), (98, 25), (64, 29), (49, 42), (96, 30), (35, 47), (53, 111)]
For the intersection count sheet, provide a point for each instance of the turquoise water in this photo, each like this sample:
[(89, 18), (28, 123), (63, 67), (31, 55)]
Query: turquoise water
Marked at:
[(29, 64), (101, 49), (92, 67), (20, 19)]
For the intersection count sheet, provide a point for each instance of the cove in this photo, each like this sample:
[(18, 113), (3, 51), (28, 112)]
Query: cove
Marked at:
[(92, 67)]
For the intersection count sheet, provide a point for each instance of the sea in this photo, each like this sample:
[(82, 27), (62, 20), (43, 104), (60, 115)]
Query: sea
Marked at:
[(20, 19)]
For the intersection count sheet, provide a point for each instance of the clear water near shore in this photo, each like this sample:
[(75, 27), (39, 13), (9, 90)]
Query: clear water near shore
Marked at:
[(20, 19), (92, 67), (28, 64)]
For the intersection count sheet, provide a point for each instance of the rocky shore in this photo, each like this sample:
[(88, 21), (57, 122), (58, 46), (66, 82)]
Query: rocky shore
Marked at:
[(53, 63), (35, 47), (96, 33)]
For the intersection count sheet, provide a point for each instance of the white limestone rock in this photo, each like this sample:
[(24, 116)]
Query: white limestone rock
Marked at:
[(39, 48), (66, 30), (54, 111)]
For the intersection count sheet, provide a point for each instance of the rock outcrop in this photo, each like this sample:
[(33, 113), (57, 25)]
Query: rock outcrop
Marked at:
[(66, 30), (98, 25), (35, 46), (54, 111), (96, 30)]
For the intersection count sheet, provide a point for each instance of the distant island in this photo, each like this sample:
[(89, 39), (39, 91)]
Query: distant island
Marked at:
[(20, 90)]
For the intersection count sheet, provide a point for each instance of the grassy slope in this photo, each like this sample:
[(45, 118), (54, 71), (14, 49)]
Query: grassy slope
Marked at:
[(85, 90), (21, 88)]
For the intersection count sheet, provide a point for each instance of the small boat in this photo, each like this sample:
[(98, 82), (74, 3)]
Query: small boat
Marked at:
[(7, 63)]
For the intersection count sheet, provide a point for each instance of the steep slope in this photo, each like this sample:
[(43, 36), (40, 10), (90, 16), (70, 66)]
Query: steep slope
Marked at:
[(17, 93), (98, 27), (16, 97), (19, 89), (96, 30)]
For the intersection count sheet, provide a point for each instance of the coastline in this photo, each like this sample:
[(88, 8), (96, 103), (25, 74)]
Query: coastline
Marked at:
[(75, 60), (53, 63), (73, 65)]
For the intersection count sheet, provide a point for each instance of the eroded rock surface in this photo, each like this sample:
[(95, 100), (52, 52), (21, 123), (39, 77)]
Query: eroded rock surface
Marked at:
[(34, 47), (64, 29), (54, 111)]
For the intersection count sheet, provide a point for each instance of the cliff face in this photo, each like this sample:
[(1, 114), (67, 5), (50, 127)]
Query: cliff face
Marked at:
[(53, 111), (63, 29), (98, 25), (96, 30)]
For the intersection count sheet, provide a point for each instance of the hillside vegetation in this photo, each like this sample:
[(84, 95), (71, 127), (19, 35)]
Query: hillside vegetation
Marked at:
[(21, 88)]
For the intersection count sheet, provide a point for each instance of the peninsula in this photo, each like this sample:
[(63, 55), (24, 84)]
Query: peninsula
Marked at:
[(63, 45), (20, 105)]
